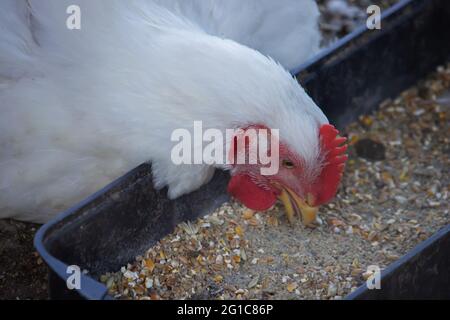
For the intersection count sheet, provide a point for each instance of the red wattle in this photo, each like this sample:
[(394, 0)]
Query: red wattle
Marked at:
[(253, 197)]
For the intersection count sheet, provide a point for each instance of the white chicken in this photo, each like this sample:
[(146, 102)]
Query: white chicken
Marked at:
[(80, 107)]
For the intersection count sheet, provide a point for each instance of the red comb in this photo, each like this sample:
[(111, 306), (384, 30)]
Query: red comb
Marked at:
[(333, 147)]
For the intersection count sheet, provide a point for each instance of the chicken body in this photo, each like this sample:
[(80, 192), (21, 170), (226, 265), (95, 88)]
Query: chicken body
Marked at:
[(79, 108)]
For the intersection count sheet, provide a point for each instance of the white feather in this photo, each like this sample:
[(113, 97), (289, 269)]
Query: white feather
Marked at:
[(79, 108)]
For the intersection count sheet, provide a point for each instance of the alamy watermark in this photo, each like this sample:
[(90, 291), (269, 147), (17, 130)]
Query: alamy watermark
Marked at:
[(374, 19), (249, 146), (373, 277), (74, 279), (73, 21)]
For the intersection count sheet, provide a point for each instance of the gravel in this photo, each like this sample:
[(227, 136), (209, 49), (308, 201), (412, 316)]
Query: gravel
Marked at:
[(385, 206)]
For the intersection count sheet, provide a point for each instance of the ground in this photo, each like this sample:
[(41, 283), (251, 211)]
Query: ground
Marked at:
[(23, 274)]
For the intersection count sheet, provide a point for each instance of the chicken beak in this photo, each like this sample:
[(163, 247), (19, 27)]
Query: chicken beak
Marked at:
[(296, 206)]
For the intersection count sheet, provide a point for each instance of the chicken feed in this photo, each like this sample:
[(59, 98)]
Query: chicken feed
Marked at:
[(394, 194)]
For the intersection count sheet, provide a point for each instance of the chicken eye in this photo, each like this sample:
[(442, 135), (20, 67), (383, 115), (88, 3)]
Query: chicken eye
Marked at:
[(288, 164)]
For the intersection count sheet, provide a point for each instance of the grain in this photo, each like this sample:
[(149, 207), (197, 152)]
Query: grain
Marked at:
[(385, 206)]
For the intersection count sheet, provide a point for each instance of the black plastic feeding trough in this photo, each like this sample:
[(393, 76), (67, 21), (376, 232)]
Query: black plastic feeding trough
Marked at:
[(351, 78)]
